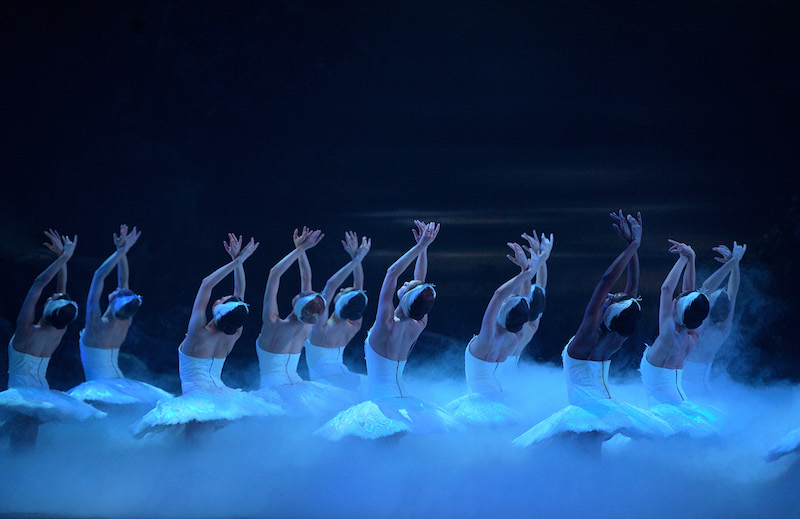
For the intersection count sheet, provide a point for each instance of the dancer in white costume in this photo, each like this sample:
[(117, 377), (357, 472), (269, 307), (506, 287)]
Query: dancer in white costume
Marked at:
[(281, 339), (325, 345), (536, 295), (594, 415), (717, 328), (29, 401), (504, 320), (662, 363), (787, 445), (207, 403), (104, 333), (392, 411)]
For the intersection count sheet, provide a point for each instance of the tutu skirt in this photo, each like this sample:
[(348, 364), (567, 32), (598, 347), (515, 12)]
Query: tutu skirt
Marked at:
[(118, 391), (478, 409), (45, 405), (787, 445)]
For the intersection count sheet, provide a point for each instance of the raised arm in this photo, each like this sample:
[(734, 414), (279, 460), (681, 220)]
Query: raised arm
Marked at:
[(234, 247), (689, 275), (543, 247), (122, 264), (124, 241), (421, 267), (665, 317), (198, 317), (594, 310), (350, 244), (305, 241), (385, 310), (336, 280), (66, 247), (57, 245), (303, 263), (509, 288)]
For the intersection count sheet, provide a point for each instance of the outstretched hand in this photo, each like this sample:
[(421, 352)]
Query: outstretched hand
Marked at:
[(126, 240), (307, 239), (518, 258), (533, 242), (425, 233), (726, 254), (246, 251), (738, 251), (60, 244), (363, 249), (233, 246), (681, 248), (350, 243), (544, 247), (628, 228)]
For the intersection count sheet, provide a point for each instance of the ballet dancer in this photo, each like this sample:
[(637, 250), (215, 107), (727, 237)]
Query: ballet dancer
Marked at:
[(593, 415), (206, 403), (391, 411), (29, 402), (717, 328), (105, 331), (328, 338), (504, 321), (661, 366)]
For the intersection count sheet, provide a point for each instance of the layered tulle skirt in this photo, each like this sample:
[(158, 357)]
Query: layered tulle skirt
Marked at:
[(689, 418), (305, 398), (479, 409), (45, 405), (388, 416), (215, 405), (607, 416), (118, 391)]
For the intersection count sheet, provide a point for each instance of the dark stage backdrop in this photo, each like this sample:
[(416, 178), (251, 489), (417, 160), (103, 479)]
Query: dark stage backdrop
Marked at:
[(193, 119)]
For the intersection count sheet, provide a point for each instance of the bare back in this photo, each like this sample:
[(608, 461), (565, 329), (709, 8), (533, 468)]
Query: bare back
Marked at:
[(497, 346), (37, 339), (394, 339), (106, 333), (334, 332), (671, 349), (209, 343), (283, 335)]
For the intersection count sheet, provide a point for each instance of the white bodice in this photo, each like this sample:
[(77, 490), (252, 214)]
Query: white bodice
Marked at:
[(26, 370), (482, 377), (324, 362), (278, 369), (661, 384), (100, 363), (197, 373), (586, 379), (384, 376)]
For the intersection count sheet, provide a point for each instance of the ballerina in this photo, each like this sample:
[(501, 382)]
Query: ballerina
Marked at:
[(661, 366), (593, 415), (281, 339), (502, 327), (391, 411), (328, 338), (717, 328), (104, 333), (206, 402), (29, 402)]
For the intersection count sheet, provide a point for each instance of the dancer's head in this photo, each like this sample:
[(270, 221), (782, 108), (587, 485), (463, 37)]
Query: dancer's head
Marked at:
[(416, 299), (230, 313), (350, 304), (308, 306), (513, 313), (720, 306), (123, 303), (59, 310), (691, 308), (621, 314), (537, 301)]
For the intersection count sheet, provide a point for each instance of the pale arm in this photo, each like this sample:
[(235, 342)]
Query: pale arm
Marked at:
[(233, 247), (689, 275), (27, 312), (350, 244), (336, 280), (507, 289), (93, 311), (305, 241), (667, 294), (632, 283), (421, 267), (303, 263)]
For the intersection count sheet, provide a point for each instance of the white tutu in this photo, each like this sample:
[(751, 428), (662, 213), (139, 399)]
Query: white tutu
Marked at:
[(120, 391), (787, 445), (487, 402), (206, 399), (297, 397), (390, 411), (46, 405), (668, 401), (387, 416), (326, 366), (592, 409)]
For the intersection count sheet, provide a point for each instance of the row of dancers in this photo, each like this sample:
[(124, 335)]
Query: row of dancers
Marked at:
[(692, 327)]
